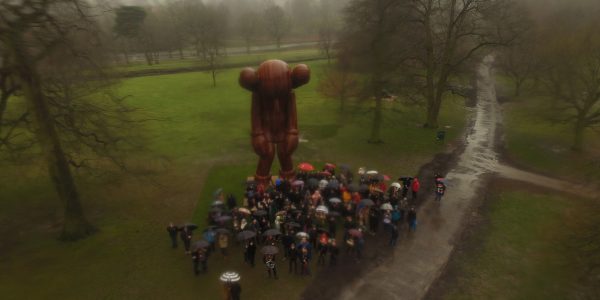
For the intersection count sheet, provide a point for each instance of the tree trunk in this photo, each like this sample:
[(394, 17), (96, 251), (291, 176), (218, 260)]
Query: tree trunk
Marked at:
[(376, 129), (214, 77), (578, 138), (75, 225), (247, 46)]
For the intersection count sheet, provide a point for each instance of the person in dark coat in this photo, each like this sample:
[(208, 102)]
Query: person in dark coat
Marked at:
[(292, 254), (251, 252), (186, 238), (334, 251), (231, 202), (412, 219), (269, 261), (173, 230), (235, 290), (199, 257), (305, 262), (286, 241), (322, 254), (332, 226)]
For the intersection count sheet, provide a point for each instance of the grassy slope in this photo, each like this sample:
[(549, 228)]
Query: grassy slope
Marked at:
[(523, 252), (205, 129)]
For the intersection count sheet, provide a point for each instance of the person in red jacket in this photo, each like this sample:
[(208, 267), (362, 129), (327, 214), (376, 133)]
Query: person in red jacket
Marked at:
[(415, 188)]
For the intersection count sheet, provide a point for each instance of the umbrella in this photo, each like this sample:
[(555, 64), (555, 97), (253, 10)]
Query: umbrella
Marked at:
[(345, 167), (302, 234), (361, 171), (272, 232), (216, 210), (378, 190), (244, 210), (363, 188), (367, 202), (334, 214), (306, 167), (329, 166), (293, 224), (386, 206), (325, 173), (335, 200), (210, 228), (218, 192), (323, 183), (269, 250), (190, 226), (223, 231), (281, 213), (353, 187), (230, 277), (355, 233), (313, 182), (223, 218), (298, 183), (322, 208), (333, 185), (372, 172), (396, 185), (246, 234), (260, 213), (201, 244), (386, 177), (217, 203)]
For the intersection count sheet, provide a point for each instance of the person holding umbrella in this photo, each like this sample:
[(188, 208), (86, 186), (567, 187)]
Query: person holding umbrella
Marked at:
[(440, 189), (269, 260), (292, 254), (172, 230), (186, 238), (250, 252), (199, 257)]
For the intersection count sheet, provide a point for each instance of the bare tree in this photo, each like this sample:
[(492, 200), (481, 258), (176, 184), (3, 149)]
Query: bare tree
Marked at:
[(249, 27), (326, 39), (339, 83), (445, 35), (571, 53), (277, 24), (368, 45), (50, 57)]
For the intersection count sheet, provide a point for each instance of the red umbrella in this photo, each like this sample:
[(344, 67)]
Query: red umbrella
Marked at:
[(306, 167), (325, 173), (355, 233), (386, 178), (329, 166)]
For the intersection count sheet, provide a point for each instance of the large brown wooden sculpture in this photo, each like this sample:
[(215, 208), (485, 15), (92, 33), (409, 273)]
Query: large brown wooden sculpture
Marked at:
[(274, 119)]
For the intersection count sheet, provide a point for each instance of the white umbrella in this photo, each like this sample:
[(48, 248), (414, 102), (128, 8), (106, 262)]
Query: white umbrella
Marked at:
[(322, 208), (361, 170), (372, 172), (323, 183), (302, 234), (335, 200), (396, 185), (217, 203), (386, 206), (230, 277)]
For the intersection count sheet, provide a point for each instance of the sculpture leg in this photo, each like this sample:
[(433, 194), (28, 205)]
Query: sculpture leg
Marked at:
[(266, 153), (285, 150)]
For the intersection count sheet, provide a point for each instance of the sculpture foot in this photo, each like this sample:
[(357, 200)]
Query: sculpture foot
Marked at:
[(289, 175), (264, 180)]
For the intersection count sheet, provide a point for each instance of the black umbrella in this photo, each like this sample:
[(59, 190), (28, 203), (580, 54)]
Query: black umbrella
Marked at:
[(363, 188), (269, 250), (333, 214), (223, 231), (344, 167), (313, 182), (209, 228), (260, 213), (293, 224), (191, 226), (216, 210), (223, 219), (201, 244), (272, 232), (353, 187), (333, 185), (246, 234), (367, 202)]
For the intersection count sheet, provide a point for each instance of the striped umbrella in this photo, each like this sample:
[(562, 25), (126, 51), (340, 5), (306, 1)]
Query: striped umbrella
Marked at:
[(230, 277)]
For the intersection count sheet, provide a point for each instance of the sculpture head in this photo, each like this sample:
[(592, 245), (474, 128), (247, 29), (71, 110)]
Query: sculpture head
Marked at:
[(274, 78)]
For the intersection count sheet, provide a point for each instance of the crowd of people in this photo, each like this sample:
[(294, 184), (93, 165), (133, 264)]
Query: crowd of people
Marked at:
[(310, 217)]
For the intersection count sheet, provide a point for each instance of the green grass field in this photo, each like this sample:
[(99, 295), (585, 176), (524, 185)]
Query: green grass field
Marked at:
[(528, 248), (202, 143)]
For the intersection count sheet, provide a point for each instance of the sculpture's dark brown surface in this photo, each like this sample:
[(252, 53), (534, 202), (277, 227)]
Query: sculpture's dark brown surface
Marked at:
[(274, 117)]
